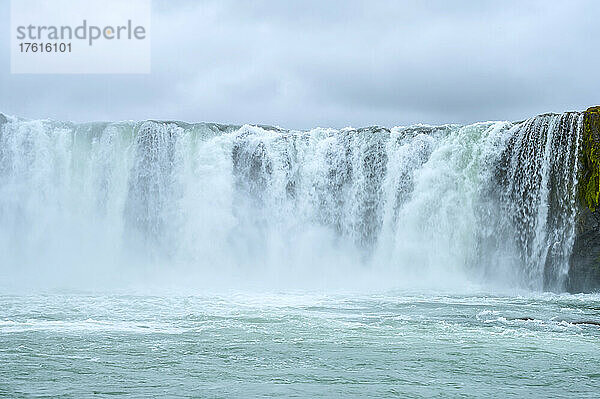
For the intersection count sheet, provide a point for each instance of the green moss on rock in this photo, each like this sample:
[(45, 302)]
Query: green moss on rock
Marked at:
[(589, 179)]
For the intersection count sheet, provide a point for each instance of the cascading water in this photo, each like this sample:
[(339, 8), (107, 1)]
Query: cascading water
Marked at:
[(539, 178), (492, 201)]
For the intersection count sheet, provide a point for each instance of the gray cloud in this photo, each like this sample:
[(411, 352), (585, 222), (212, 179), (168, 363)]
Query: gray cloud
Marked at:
[(302, 64)]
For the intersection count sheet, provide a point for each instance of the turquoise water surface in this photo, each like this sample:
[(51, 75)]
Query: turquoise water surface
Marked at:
[(299, 345)]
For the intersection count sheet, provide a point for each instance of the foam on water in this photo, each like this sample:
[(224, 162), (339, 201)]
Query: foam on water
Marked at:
[(308, 345)]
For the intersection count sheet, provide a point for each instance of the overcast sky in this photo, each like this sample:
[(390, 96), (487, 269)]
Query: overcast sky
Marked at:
[(301, 64)]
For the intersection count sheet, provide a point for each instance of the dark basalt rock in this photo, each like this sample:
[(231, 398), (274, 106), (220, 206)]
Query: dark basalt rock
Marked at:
[(584, 272)]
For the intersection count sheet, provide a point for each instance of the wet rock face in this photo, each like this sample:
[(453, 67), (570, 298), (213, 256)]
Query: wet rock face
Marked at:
[(584, 272)]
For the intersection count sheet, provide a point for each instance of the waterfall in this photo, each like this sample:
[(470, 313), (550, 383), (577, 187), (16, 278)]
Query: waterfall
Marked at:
[(492, 201)]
